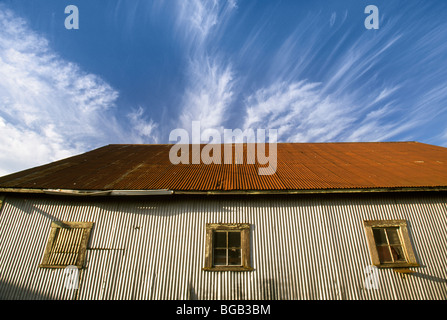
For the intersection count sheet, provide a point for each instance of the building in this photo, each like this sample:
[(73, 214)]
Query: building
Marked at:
[(333, 221)]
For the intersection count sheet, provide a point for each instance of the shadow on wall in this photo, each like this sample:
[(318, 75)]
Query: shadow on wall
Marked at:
[(410, 234), (163, 205), (429, 277), (13, 292)]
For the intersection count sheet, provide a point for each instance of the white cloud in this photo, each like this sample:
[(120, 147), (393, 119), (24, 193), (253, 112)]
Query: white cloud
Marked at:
[(385, 93), (49, 108), (145, 129), (22, 148), (208, 95), (333, 17), (298, 111), (358, 96), (197, 19), (210, 80), (304, 112), (199, 15), (353, 100)]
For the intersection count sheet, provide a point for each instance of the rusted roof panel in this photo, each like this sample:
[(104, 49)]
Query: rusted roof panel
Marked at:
[(300, 166)]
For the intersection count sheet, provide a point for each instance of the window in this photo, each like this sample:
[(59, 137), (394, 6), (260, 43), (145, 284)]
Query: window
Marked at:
[(67, 244), (389, 243), (227, 247)]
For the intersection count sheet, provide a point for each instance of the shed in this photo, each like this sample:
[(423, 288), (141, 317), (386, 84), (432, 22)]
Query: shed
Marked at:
[(331, 221)]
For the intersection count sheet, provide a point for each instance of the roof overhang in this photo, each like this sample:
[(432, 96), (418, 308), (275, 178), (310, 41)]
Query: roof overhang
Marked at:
[(67, 192), (316, 191), (90, 193)]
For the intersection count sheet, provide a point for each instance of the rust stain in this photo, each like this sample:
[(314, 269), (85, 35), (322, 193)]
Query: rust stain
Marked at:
[(299, 166)]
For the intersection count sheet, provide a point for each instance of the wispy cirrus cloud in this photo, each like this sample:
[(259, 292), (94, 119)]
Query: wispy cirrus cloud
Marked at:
[(333, 18), (209, 77), (144, 129), (197, 19), (332, 108), (312, 88), (299, 111), (363, 87), (208, 95), (49, 107)]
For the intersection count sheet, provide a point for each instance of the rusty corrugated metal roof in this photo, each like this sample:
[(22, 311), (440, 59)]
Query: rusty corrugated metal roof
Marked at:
[(300, 166)]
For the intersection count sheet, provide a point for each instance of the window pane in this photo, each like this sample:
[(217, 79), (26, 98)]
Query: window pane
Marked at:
[(234, 239), (379, 236), (234, 257), (220, 239), (384, 254), (220, 257), (398, 254), (393, 236)]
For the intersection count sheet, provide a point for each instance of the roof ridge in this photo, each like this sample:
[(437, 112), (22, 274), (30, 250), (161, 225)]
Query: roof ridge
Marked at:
[(330, 142)]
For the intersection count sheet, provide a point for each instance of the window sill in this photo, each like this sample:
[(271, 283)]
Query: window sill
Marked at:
[(49, 266), (398, 265), (228, 268)]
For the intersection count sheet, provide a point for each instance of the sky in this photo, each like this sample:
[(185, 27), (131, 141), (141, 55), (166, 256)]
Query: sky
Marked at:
[(136, 70)]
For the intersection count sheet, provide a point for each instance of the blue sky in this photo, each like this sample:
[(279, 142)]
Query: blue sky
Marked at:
[(135, 70)]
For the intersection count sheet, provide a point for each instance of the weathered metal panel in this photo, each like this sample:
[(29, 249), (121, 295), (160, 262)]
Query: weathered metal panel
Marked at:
[(300, 166), (303, 247)]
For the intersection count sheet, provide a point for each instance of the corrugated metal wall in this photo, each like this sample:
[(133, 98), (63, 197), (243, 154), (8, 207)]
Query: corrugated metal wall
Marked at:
[(303, 247)]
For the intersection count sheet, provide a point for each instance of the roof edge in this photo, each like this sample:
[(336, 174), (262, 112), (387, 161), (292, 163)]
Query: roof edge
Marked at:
[(90, 193), (316, 191), (67, 192)]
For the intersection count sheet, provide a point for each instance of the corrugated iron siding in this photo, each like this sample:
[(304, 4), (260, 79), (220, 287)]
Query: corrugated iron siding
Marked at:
[(303, 247)]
